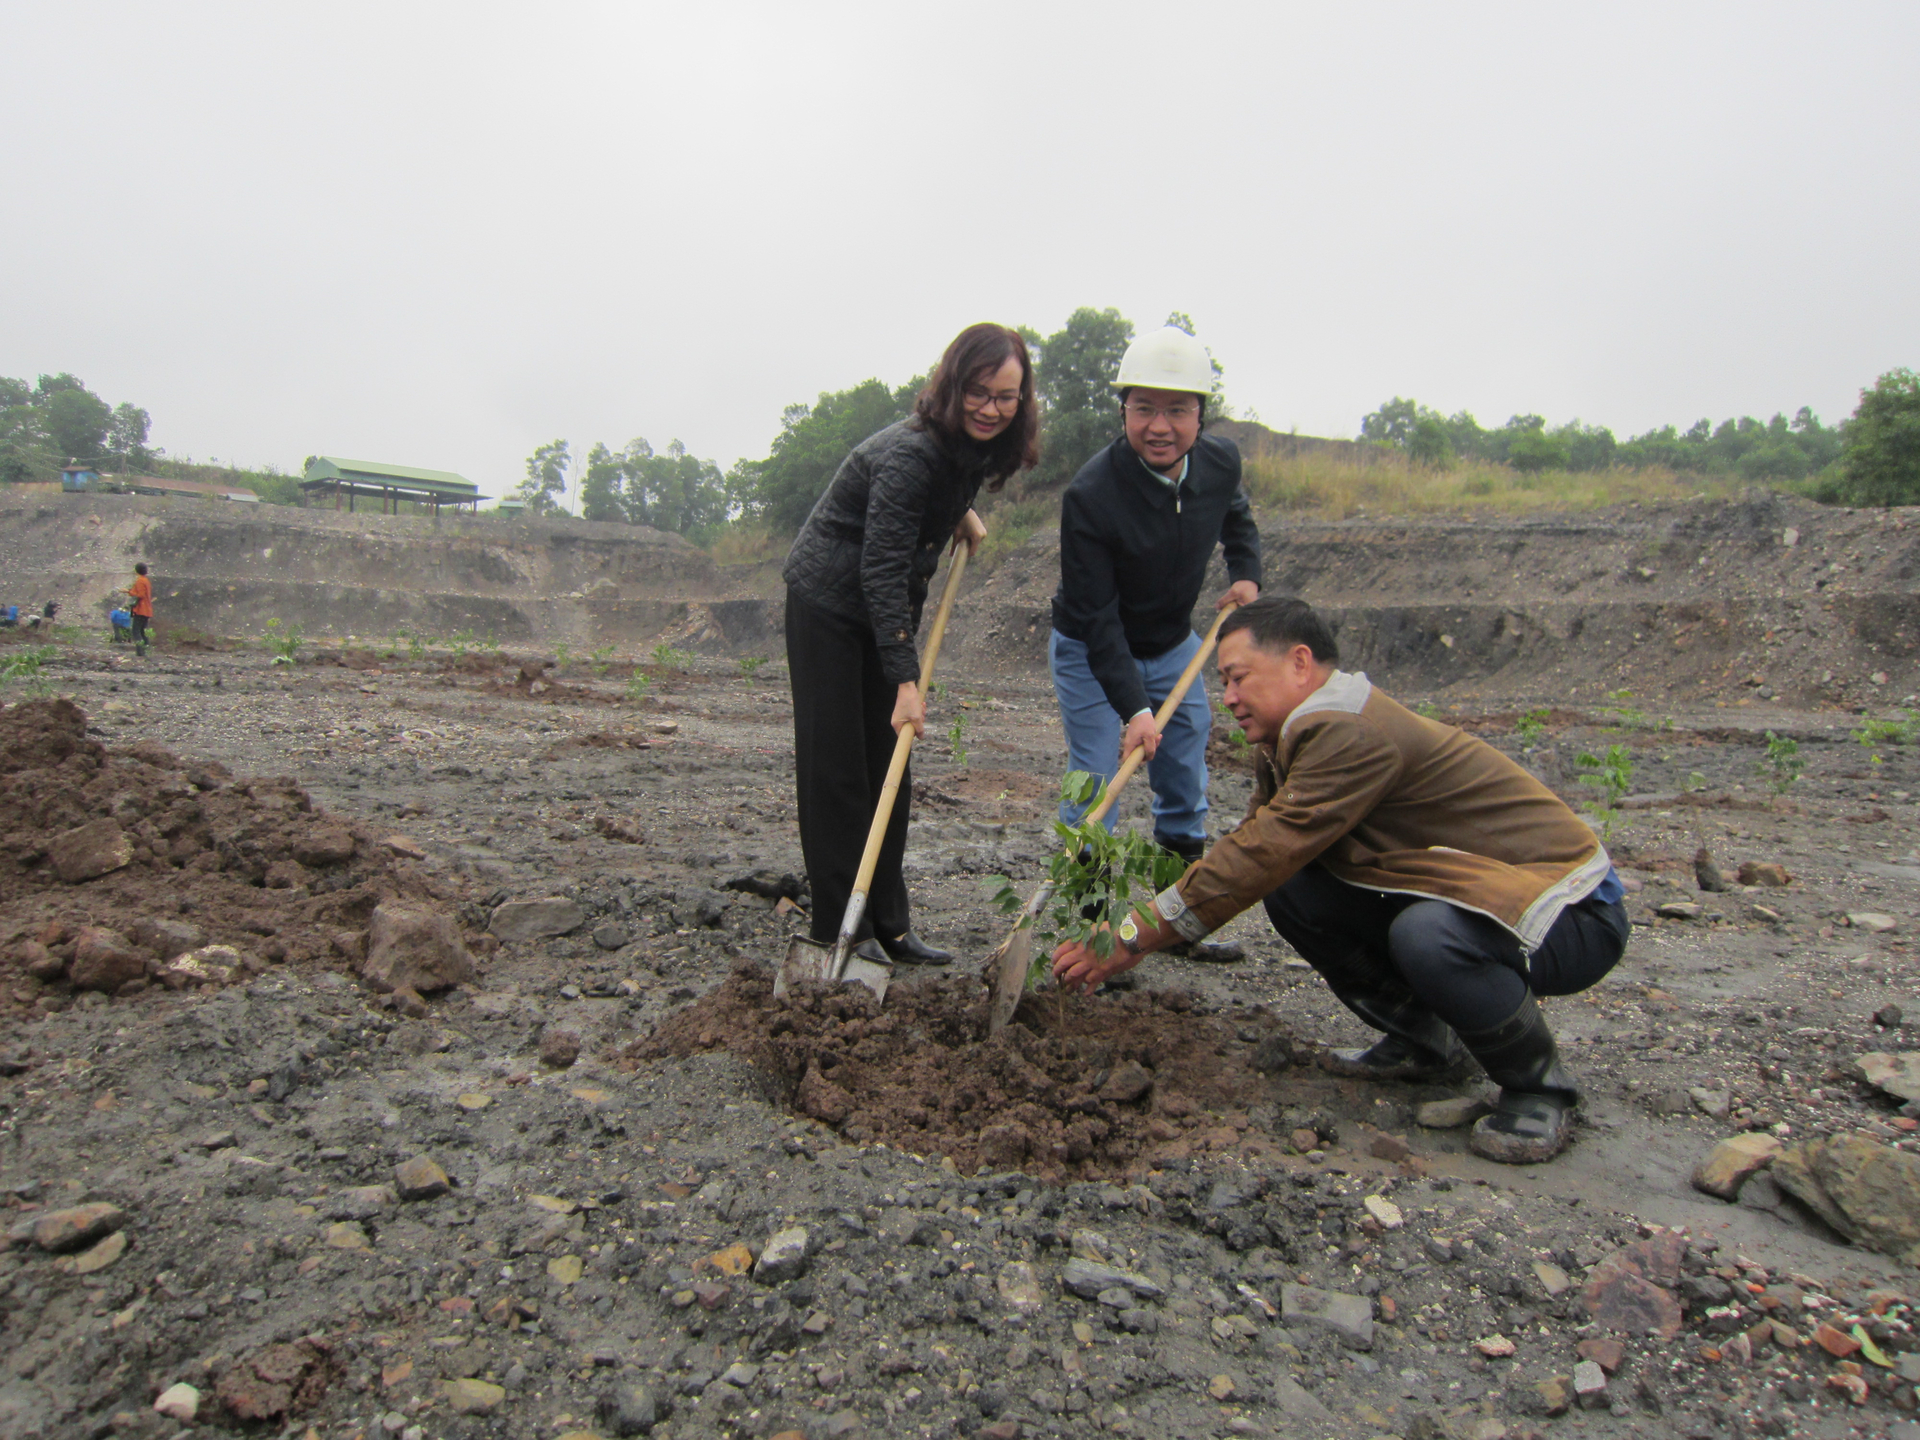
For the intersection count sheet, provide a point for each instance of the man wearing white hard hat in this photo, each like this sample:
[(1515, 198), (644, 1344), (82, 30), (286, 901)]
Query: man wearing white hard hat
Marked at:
[(1138, 527)]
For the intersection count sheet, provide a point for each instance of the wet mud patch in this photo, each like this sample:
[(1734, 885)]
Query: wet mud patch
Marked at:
[(1085, 1089)]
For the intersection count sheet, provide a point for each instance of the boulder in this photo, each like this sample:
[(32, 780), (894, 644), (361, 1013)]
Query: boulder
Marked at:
[(518, 921), (1763, 872), (1626, 1292), (167, 938), (1898, 1075), (785, 1257), (1350, 1317), (104, 961), (62, 1230), (420, 1179), (97, 848), (420, 949), (209, 965), (1867, 1191), (1727, 1166)]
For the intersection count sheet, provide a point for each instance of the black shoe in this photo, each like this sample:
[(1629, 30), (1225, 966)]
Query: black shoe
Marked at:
[(1533, 1119), (1209, 952), (910, 949), (1393, 1058), (1188, 847)]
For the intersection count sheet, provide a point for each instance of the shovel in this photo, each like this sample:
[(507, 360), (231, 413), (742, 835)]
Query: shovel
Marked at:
[(1007, 967), (810, 960)]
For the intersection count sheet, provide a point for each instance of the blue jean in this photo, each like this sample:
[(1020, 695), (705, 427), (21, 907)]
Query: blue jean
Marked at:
[(1178, 770)]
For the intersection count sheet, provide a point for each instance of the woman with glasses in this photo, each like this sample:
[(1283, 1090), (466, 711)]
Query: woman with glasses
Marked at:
[(1138, 526), (857, 579)]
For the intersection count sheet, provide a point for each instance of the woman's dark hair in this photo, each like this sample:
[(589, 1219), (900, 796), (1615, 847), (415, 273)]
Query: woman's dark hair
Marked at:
[(1280, 622), (141, 568), (976, 352)]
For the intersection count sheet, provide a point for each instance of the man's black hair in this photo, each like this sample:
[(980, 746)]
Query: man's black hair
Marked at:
[(1280, 622), (141, 568)]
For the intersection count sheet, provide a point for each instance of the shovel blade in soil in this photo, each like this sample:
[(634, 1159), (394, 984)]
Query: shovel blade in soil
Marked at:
[(1008, 966), (810, 960)]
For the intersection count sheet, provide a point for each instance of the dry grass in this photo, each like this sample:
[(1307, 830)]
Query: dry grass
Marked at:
[(746, 542), (1330, 488)]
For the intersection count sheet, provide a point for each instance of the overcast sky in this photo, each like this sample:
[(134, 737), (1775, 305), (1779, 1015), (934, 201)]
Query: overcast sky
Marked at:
[(440, 234)]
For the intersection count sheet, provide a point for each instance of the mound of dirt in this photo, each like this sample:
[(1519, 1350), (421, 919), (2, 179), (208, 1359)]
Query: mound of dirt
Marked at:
[(1074, 1089), (119, 867)]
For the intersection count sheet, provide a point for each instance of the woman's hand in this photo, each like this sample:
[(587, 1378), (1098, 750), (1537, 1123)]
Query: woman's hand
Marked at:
[(910, 709), (969, 532)]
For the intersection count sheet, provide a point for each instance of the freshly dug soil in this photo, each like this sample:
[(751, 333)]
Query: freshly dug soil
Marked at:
[(210, 860), (1072, 1089)]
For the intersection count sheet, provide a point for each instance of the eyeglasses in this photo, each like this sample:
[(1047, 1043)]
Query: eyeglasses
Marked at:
[(1146, 414), (978, 398)]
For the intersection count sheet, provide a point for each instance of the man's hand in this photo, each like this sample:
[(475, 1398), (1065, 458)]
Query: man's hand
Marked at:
[(969, 532), (1241, 592), (910, 709), (1077, 966), (1140, 731)]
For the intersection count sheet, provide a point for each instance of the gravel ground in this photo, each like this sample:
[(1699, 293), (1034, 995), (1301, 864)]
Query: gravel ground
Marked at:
[(1299, 1256)]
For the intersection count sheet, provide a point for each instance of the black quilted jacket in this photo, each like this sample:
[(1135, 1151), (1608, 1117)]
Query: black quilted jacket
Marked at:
[(873, 541)]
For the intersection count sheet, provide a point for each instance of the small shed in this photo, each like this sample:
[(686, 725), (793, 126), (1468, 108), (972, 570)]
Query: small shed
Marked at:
[(331, 475), (78, 476)]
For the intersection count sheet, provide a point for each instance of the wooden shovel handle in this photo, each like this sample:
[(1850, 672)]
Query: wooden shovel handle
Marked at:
[(903, 747), (1137, 756)]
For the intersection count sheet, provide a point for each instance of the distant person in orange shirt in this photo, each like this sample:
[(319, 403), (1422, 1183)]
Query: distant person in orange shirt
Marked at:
[(141, 592)]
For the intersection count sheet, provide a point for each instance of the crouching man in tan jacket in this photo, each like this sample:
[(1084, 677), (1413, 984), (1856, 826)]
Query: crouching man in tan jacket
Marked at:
[(1434, 884)]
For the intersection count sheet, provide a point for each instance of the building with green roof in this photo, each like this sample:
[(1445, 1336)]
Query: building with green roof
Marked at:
[(331, 475)]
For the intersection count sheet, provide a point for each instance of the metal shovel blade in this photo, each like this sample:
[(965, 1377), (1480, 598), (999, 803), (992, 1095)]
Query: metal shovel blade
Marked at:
[(1009, 967), (810, 960)]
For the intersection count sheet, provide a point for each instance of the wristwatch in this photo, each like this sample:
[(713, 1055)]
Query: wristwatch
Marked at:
[(1128, 933)]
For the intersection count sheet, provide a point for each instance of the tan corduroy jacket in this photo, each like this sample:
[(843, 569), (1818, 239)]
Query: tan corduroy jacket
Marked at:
[(1389, 800)]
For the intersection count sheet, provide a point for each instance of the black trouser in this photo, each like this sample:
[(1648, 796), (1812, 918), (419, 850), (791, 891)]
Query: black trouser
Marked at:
[(140, 632), (1463, 967), (842, 745)]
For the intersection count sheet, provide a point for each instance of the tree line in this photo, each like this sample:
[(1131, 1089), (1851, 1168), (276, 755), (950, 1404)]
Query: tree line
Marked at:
[(1873, 458), (1073, 374), (58, 421)]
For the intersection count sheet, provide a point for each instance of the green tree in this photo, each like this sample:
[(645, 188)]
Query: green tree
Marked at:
[(1430, 444), (24, 454), (812, 442), (127, 437), (1882, 447), (674, 491), (601, 485), (546, 478), (1393, 423), (1530, 448), (75, 419), (1074, 374)]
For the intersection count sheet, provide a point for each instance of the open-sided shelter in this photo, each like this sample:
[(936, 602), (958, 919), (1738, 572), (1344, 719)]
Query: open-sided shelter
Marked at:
[(331, 475)]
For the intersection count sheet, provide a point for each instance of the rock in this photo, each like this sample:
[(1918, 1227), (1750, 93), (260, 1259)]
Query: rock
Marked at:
[(1220, 1387), (1706, 874), (1349, 1316), (1715, 1104), (96, 848), (1130, 1081), (104, 961), (1898, 1075), (213, 965), (785, 1257), (1552, 1278), (828, 1103), (420, 1179), (1873, 923), (1836, 1342), (1869, 1192), (1087, 1278), (1552, 1397), (1384, 1211), (735, 1259), (611, 937), (418, 948), (1019, 1286), (1272, 1055), (410, 1002), (1624, 1292), (63, 1230), (519, 921), (631, 1409), (1495, 1347), (1763, 872), (1452, 1113), (566, 1269), (472, 1397), (360, 1202), (178, 1402), (1604, 1351), (1390, 1148), (558, 1048), (1889, 1016), (1590, 1385), (97, 1256), (1678, 910), (346, 1235), (167, 938), (1725, 1168), (1298, 1403), (39, 962), (324, 845), (741, 1374)]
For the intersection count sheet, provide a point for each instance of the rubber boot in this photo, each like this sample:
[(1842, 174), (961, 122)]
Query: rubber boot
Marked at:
[(1533, 1120), (1418, 1045)]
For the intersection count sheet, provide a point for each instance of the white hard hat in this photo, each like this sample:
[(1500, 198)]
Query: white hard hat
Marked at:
[(1167, 359)]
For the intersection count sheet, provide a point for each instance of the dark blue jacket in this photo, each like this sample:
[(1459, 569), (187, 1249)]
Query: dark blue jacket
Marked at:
[(1133, 555)]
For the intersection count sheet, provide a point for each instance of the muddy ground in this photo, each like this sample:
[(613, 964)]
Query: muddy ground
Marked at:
[(576, 1273)]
